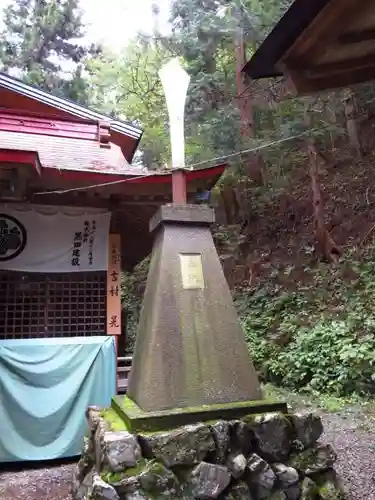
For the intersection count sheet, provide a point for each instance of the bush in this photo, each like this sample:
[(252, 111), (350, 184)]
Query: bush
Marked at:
[(295, 345)]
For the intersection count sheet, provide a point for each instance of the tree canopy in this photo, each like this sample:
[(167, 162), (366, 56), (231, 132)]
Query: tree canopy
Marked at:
[(43, 43)]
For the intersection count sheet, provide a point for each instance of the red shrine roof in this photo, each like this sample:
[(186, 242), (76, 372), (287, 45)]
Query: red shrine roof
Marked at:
[(53, 151), (18, 97), (63, 153), (67, 143), (71, 139)]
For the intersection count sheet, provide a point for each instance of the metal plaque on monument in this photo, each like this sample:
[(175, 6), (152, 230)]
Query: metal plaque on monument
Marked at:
[(191, 361)]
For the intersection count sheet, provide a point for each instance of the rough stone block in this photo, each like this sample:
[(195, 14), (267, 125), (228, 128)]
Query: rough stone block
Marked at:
[(286, 476), (278, 495), (314, 460), (120, 450), (126, 485), (188, 445), (261, 478), (221, 434), (156, 480), (209, 480), (101, 490), (241, 437), (309, 490), (237, 464), (238, 491), (136, 495), (329, 486), (182, 464), (273, 436), (293, 492), (308, 428), (81, 487), (84, 466)]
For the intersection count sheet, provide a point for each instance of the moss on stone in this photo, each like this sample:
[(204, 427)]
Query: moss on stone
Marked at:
[(116, 477), (326, 492), (116, 423), (303, 460), (156, 467), (111, 477), (277, 495), (138, 420), (137, 469), (329, 486), (128, 404), (251, 419)]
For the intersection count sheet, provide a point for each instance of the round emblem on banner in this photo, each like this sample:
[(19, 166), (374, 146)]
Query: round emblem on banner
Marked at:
[(13, 237)]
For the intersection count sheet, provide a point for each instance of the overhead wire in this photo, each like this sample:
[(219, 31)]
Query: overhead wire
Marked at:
[(93, 186), (189, 167), (255, 149)]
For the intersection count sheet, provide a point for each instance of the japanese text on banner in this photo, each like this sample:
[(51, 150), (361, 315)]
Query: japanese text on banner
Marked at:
[(114, 286)]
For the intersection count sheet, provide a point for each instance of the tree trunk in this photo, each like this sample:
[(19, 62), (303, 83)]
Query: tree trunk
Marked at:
[(254, 163), (231, 205), (351, 123), (326, 248)]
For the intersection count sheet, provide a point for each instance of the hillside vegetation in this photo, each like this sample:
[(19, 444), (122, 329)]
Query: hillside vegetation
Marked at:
[(309, 324)]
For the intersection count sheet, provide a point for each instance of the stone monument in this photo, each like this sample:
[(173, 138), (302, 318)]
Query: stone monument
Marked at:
[(191, 360), (187, 429)]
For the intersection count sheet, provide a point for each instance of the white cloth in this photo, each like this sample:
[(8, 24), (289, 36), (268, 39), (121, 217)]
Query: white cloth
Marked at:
[(53, 239)]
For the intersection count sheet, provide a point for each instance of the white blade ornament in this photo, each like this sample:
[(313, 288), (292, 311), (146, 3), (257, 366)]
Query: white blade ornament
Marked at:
[(175, 82)]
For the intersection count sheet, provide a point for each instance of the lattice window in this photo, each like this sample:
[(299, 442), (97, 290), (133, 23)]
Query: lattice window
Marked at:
[(53, 305)]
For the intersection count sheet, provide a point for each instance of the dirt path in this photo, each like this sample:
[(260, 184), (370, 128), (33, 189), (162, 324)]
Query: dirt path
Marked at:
[(351, 432)]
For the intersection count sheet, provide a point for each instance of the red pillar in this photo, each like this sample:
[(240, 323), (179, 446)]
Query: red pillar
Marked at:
[(179, 191)]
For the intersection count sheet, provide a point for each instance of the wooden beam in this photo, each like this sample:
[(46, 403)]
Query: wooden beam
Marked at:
[(306, 85), (338, 67), (340, 80), (352, 37), (322, 70), (326, 27), (87, 202)]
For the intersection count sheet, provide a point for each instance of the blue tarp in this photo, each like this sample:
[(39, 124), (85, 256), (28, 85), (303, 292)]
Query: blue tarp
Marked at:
[(46, 386)]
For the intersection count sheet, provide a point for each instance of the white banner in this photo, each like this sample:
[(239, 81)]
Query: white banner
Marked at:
[(53, 239)]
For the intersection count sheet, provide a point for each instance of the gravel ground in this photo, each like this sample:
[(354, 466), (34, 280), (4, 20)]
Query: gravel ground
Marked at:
[(49, 483), (351, 433)]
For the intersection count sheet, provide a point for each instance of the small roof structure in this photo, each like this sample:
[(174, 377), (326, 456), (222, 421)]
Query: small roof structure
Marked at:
[(17, 95), (56, 152), (320, 45)]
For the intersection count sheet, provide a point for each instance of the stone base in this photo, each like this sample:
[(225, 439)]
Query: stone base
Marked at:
[(137, 420), (273, 457)]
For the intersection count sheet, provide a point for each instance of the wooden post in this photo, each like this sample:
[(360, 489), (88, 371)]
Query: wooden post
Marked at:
[(179, 190), (351, 123), (114, 291)]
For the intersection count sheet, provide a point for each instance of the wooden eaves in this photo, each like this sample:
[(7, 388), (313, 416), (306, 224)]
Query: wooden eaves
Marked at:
[(319, 45)]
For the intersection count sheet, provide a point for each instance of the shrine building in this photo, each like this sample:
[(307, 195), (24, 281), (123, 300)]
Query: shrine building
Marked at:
[(74, 214)]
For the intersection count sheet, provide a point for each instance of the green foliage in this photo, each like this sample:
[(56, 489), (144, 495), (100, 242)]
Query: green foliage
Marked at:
[(203, 37), (128, 87), (132, 288), (40, 42), (320, 338)]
